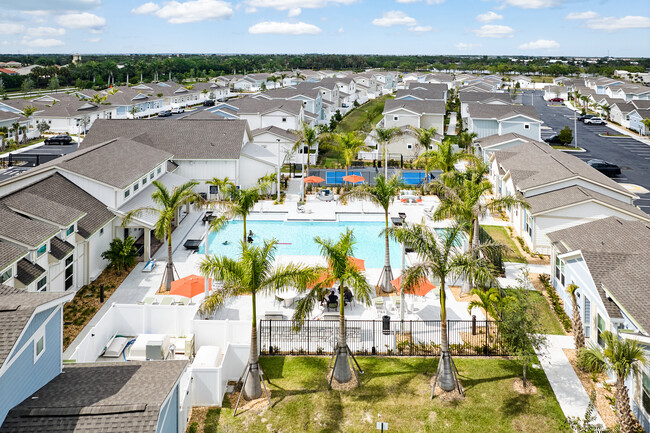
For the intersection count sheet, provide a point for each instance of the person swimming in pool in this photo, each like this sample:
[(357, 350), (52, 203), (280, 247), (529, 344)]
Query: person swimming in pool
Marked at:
[(225, 243)]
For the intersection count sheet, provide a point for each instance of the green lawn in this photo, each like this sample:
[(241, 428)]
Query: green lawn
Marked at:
[(499, 234), (355, 119), (549, 321), (397, 389)]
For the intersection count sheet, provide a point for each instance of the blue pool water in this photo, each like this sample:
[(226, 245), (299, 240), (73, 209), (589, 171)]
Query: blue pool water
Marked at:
[(297, 238)]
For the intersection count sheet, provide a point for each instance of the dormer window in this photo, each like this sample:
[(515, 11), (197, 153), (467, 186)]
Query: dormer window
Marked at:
[(136, 186), (41, 250), (526, 125), (70, 230), (127, 193), (284, 119)]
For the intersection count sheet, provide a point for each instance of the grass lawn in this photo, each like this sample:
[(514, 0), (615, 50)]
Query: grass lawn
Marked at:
[(499, 234), (354, 120), (397, 389), (548, 319)]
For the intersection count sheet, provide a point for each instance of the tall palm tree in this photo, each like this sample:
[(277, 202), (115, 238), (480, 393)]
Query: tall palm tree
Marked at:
[(425, 137), (442, 259), (465, 141), (23, 130), (4, 131), (443, 158), (253, 273), (167, 204), (239, 203), (621, 356), (223, 185), (349, 144), (274, 80), (299, 76), (578, 330), (585, 102), (15, 128), (282, 77), (382, 193), (28, 111), (341, 269), (384, 137), (307, 137)]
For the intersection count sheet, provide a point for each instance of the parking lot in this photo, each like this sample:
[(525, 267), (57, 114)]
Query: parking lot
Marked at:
[(628, 153)]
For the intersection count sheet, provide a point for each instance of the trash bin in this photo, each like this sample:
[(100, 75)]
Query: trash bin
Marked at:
[(385, 324)]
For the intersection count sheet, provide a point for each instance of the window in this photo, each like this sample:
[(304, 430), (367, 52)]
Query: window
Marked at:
[(144, 180), (69, 272), (70, 230), (559, 270), (601, 328), (151, 175), (409, 146), (101, 231), (586, 318), (645, 392), (41, 285), (127, 192), (6, 275), (159, 170), (528, 225), (39, 345), (395, 118), (136, 186), (284, 119), (41, 250), (526, 125)]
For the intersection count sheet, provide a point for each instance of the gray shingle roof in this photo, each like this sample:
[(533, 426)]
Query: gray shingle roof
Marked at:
[(500, 112), (60, 248), (118, 162), (495, 139), (434, 95), (42, 207), (484, 96), (23, 230), (99, 397), (59, 189), (435, 87), (616, 253), (533, 164), (256, 106), (9, 254), (16, 308), (184, 139), (420, 107), (28, 272), (277, 131), (16, 117)]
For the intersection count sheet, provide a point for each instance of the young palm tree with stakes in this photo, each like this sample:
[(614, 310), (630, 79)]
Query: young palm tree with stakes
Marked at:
[(349, 144), (253, 273), (341, 269), (15, 128), (488, 301), (28, 111), (167, 204), (4, 131), (578, 330), (384, 137), (382, 193), (442, 259), (622, 357)]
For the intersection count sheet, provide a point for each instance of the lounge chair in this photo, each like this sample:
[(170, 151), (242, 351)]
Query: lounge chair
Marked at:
[(429, 212), (149, 266), (192, 244), (148, 301), (183, 301), (167, 300)]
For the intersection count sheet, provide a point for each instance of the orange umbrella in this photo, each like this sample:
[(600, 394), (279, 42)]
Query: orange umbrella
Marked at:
[(421, 289), (314, 179), (188, 287), (353, 178), (357, 263)]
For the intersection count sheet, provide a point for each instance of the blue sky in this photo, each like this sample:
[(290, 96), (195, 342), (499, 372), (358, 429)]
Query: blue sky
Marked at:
[(492, 27)]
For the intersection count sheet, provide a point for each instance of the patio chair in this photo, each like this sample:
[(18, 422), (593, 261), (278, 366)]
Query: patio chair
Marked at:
[(183, 301), (148, 301), (167, 300), (429, 212), (332, 305), (278, 301)]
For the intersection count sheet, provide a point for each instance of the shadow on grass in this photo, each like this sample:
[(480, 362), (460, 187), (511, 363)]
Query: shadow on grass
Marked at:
[(212, 420)]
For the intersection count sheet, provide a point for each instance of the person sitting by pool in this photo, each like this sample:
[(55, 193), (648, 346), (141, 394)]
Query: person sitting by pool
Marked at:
[(332, 298), (347, 295), (251, 234)]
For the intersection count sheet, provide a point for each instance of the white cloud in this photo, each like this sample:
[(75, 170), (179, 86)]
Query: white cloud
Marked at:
[(82, 20), (341, 30), (11, 28), (488, 17), (494, 31), (610, 24), (394, 18), (295, 12), (421, 29), (533, 4), (190, 11), (49, 5), (42, 43), (45, 31), (465, 46), (582, 15), (146, 8), (250, 10), (93, 40), (429, 2), (292, 4), (277, 28), (541, 44)]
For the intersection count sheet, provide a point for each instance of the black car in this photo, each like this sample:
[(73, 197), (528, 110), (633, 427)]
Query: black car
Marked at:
[(208, 103), (585, 116), (606, 168), (165, 113), (553, 140), (59, 140)]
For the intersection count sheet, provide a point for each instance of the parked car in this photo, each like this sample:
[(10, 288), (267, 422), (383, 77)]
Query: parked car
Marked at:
[(178, 110), (553, 140), (208, 103), (165, 113), (606, 168), (585, 116), (594, 121), (59, 140), (556, 100)]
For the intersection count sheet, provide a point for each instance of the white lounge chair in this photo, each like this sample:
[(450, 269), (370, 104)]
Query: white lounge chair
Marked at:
[(148, 267)]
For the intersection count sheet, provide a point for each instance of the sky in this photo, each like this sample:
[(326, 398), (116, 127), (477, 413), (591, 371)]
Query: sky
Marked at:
[(620, 28)]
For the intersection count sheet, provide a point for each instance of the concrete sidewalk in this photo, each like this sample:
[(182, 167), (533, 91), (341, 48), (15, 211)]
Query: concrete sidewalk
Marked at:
[(451, 129), (567, 387)]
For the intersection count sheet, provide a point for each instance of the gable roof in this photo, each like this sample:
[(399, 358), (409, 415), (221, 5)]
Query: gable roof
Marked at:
[(42, 208), (9, 254), (276, 131), (501, 112), (419, 107), (23, 230), (484, 97), (110, 396), (496, 139), (616, 253), (421, 94), (261, 106)]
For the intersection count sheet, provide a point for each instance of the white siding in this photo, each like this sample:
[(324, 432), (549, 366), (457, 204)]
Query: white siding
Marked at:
[(580, 182)]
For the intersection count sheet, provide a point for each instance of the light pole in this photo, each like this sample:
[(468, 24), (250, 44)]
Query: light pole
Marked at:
[(207, 251), (401, 292), (575, 128)]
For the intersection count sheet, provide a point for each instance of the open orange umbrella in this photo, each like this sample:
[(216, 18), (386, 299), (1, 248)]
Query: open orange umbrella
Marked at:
[(360, 264), (353, 178), (188, 287), (421, 289), (314, 179)]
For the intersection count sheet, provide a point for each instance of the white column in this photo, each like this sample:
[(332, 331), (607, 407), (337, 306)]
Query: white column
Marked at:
[(207, 250), (147, 244)]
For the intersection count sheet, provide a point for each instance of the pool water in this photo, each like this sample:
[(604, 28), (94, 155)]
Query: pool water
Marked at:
[(297, 238)]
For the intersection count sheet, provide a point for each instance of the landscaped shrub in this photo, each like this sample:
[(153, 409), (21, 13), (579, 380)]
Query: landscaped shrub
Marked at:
[(556, 302), (193, 428), (581, 361)]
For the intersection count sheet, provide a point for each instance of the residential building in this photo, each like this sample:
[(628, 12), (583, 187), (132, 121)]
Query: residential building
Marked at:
[(636, 118), (551, 92), (282, 142), (467, 97), (490, 119), (261, 112), (487, 145), (414, 113)]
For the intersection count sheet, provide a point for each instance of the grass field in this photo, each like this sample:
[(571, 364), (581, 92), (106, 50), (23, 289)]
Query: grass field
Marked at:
[(550, 323), (397, 389), (354, 120), (500, 235)]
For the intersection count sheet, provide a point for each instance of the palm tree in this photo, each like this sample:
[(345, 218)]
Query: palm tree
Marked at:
[(465, 141), (98, 98), (349, 144), (240, 203), (4, 131), (646, 123), (343, 270), (425, 137), (382, 193), (168, 203), (488, 301), (223, 185), (28, 111), (585, 101), (443, 158), (578, 331), (121, 254), (442, 259), (308, 138), (15, 128), (299, 76), (621, 356), (23, 130), (606, 109), (282, 77), (384, 137), (252, 274), (273, 79)]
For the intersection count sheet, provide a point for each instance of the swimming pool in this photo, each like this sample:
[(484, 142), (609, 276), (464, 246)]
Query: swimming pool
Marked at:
[(297, 238)]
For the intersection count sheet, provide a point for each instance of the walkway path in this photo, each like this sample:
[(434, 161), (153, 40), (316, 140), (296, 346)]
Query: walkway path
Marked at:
[(137, 285), (451, 129), (293, 189), (567, 387)]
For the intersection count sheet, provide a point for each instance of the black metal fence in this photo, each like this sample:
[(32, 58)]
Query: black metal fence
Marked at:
[(377, 337)]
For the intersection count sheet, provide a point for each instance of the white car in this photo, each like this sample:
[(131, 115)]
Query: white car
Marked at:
[(594, 121), (178, 110)]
